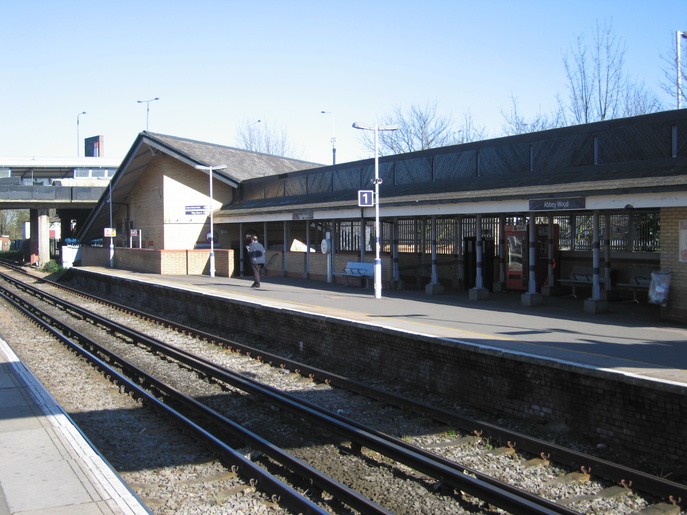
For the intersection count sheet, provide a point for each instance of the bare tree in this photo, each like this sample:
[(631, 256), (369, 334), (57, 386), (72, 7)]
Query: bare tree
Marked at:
[(419, 128), (516, 123), (261, 137), (469, 131), (598, 88)]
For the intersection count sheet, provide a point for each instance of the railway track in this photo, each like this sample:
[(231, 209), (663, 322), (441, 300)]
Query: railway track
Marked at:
[(452, 480)]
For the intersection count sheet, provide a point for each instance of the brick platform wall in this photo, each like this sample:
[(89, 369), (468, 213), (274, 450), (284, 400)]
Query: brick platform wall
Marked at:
[(642, 416), (676, 309), (163, 262)]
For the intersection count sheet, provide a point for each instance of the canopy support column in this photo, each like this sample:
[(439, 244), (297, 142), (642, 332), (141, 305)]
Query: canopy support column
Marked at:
[(596, 304)]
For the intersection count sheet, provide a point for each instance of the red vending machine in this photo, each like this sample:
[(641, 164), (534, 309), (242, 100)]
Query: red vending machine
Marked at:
[(518, 254)]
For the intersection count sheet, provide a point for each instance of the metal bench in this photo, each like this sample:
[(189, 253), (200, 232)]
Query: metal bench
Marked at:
[(639, 280), (358, 269), (581, 275)]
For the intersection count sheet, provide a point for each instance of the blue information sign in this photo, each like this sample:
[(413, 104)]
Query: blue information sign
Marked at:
[(366, 198)]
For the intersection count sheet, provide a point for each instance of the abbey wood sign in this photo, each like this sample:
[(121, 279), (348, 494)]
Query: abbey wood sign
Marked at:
[(557, 204)]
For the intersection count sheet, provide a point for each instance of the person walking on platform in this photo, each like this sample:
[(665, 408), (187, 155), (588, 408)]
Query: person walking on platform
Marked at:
[(256, 254)]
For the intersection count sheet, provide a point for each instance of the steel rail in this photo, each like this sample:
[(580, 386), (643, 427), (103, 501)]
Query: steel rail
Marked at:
[(602, 468), (500, 494), (257, 476)]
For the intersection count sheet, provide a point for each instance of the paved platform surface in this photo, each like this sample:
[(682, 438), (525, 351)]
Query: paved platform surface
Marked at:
[(47, 466), (629, 339)]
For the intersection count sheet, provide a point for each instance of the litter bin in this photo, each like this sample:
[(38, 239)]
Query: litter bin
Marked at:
[(659, 287)]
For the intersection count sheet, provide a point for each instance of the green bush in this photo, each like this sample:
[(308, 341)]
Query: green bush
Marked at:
[(52, 267)]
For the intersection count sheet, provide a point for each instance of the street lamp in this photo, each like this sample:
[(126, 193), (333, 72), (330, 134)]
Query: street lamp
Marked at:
[(333, 138), (211, 169), (683, 35), (377, 181), (78, 152), (147, 103)]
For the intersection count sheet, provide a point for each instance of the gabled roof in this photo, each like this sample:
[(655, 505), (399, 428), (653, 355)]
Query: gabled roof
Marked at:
[(240, 165)]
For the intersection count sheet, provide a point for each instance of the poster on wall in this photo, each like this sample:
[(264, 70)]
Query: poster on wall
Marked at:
[(683, 241)]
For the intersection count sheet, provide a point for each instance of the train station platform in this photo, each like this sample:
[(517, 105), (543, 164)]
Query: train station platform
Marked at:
[(48, 466), (629, 339)]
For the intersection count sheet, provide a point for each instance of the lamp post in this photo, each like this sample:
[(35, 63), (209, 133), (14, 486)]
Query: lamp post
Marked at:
[(78, 152), (333, 138), (147, 103), (210, 170), (377, 181), (109, 200), (680, 34)]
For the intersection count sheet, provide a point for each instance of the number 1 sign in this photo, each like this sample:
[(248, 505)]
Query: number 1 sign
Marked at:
[(366, 198)]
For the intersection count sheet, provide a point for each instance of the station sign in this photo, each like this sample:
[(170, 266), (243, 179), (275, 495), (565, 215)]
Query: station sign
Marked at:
[(557, 204), (110, 232), (195, 210), (366, 198)]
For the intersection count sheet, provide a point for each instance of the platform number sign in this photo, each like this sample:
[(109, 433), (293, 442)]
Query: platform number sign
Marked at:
[(366, 198)]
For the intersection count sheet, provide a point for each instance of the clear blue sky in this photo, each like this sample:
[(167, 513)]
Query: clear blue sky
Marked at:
[(215, 63)]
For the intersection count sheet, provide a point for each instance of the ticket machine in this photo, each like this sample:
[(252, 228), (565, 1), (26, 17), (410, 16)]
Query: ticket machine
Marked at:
[(518, 254)]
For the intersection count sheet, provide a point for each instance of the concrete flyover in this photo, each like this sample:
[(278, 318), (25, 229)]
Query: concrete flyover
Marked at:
[(70, 186)]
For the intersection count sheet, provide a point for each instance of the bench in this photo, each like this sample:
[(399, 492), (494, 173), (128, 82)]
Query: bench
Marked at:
[(581, 275), (639, 280), (357, 269)]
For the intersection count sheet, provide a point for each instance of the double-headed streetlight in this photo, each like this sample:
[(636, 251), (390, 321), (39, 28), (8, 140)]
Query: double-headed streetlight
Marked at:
[(147, 103), (210, 170), (78, 152), (377, 181)]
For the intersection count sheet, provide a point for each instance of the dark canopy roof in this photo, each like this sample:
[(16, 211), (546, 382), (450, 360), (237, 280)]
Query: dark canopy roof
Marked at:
[(628, 156)]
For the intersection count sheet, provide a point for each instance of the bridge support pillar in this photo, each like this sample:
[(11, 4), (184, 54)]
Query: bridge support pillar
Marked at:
[(40, 236)]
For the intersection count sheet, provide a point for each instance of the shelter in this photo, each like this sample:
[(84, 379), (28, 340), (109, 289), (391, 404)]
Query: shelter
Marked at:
[(519, 212)]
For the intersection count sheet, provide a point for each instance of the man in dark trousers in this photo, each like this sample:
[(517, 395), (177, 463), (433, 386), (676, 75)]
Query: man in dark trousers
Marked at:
[(256, 254)]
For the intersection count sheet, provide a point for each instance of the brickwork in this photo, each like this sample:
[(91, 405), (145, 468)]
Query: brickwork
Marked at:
[(185, 186), (274, 261), (145, 207), (95, 256), (676, 308), (640, 415), (224, 262), (175, 262), (141, 260), (157, 205), (163, 262), (295, 262)]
